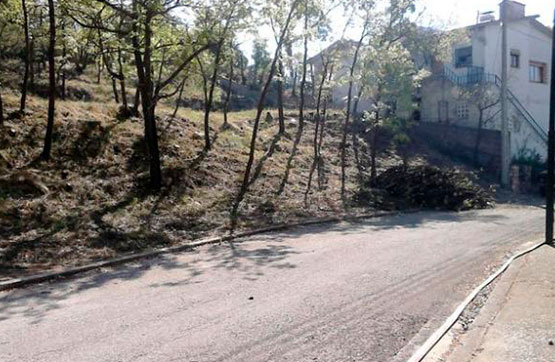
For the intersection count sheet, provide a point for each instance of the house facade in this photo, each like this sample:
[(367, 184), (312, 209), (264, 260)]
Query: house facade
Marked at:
[(466, 92), (342, 52)]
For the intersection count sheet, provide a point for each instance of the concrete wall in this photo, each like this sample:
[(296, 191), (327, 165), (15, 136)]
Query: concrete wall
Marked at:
[(436, 89), (460, 142)]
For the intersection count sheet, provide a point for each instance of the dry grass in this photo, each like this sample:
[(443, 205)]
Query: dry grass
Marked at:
[(98, 205)]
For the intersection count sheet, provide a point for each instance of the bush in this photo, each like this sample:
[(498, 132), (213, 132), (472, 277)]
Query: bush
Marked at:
[(431, 187)]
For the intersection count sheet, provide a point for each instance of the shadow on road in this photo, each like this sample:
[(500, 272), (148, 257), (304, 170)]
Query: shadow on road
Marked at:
[(401, 221), (241, 258), (36, 302)]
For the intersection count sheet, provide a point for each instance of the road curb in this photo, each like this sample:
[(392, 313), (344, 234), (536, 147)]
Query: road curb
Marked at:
[(435, 338), (39, 278)]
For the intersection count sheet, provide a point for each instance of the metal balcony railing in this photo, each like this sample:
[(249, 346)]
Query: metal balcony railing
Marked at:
[(475, 75)]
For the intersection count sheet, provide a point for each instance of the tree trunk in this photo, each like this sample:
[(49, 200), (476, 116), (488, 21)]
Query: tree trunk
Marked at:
[(122, 81), (1, 108), (375, 134), (99, 71), (354, 135), (31, 65), (301, 112), (178, 100), (214, 80), (149, 108), (123, 94), (210, 100), (62, 70), (259, 109), (51, 81), (303, 81), (228, 92), (143, 63), (281, 116), (312, 81), (242, 67), (115, 90), (24, 85), (321, 137), (347, 118), (374, 153), (294, 85), (316, 133), (137, 100), (478, 139)]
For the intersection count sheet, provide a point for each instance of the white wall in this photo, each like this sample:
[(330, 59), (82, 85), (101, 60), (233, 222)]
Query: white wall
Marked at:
[(533, 45)]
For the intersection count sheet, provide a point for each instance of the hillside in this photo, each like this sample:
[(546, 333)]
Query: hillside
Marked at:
[(92, 202)]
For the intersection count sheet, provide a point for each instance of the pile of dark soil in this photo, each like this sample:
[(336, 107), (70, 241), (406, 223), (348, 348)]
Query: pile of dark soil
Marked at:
[(426, 187)]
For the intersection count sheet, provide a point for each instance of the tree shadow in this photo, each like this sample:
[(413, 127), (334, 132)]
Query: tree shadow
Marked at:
[(288, 166), (249, 257), (251, 262), (269, 153), (393, 222), (91, 141)]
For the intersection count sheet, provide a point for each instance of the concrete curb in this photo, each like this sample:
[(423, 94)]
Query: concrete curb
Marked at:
[(35, 279), (434, 339)]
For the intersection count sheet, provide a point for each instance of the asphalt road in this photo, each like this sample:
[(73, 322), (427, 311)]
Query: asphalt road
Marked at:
[(347, 292)]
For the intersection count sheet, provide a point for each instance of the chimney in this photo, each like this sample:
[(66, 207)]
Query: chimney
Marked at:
[(513, 10)]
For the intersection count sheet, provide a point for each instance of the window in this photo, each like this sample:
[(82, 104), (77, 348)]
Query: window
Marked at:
[(463, 57), (515, 59), (537, 72), (462, 111)]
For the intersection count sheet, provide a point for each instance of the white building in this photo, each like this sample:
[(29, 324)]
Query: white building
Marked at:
[(477, 63)]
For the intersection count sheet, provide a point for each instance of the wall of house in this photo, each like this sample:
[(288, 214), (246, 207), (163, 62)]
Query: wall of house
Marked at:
[(436, 89), (533, 44)]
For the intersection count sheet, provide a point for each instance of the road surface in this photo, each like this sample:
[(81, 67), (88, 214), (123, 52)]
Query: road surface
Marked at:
[(344, 292)]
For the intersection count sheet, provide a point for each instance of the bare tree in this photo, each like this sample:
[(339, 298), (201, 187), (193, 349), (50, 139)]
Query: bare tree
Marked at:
[(259, 109), (326, 63), (1, 108), (300, 128), (213, 80), (179, 97), (320, 164), (51, 81), (281, 116), (27, 60), (229, 86), (484, 99), (142, 15), (363, 35)]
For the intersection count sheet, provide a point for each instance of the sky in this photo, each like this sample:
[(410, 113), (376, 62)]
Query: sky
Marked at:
[(462, 13), (445, 13)]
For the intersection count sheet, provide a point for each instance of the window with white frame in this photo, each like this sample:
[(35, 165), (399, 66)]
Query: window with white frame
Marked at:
[(537, 72)]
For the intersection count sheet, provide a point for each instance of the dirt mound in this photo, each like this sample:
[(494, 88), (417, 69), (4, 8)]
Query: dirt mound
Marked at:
[(427, 187)]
